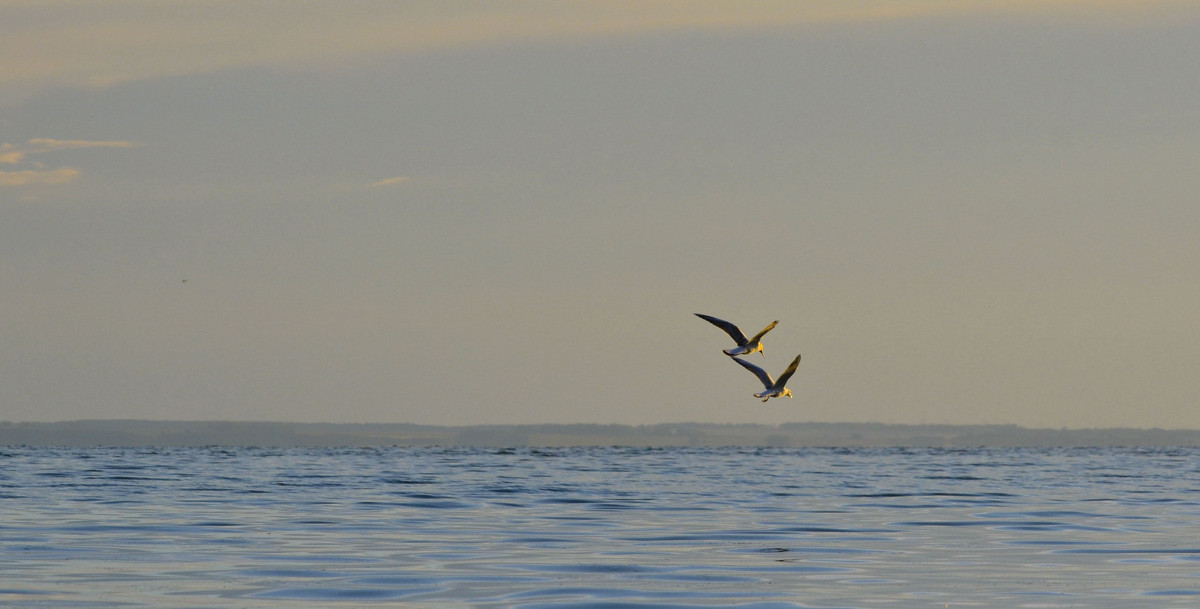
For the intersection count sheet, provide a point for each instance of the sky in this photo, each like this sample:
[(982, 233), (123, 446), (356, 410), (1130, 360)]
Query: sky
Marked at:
[(457, 212)]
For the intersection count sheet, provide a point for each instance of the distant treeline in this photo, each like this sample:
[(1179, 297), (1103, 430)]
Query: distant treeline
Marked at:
[(229, 433)]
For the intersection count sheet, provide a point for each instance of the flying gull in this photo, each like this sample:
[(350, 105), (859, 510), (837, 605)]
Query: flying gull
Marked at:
[(774, 389), (744, 346)]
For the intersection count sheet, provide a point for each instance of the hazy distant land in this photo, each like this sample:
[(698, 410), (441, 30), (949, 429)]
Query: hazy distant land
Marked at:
[(202, 433)]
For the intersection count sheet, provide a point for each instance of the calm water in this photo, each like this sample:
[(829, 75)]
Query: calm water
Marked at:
[(603, 527)]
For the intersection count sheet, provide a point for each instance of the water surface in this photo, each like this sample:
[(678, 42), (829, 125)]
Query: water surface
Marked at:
[(599, 527)]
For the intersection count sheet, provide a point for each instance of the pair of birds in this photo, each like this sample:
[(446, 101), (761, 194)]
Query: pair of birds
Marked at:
[(745, 346)]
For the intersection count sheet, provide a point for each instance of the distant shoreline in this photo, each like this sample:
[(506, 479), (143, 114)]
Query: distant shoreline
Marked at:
[(84, 433)]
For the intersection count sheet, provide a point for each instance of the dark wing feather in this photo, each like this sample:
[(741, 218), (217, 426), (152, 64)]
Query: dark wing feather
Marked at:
[(787, 374), (759, 372), (729, 328), (771, 326)]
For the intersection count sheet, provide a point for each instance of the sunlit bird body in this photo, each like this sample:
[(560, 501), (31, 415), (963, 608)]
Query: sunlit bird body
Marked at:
[(745, 346), (773, 388)]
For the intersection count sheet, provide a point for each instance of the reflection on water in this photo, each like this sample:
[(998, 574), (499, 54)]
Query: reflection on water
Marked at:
[(606, 527)]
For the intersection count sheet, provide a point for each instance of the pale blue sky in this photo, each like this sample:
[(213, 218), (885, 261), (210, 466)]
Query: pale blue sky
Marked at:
[(475, 212)]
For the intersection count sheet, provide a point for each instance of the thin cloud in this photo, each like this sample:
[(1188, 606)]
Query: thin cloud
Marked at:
[(13, 154), (30, 177), (47, 44), (18, 154), (390, 182)]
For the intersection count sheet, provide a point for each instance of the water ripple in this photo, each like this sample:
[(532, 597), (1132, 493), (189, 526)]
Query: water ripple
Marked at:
[(607, 527)]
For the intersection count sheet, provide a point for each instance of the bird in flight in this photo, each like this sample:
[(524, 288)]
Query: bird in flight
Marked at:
[(773, 389), (744, 346)]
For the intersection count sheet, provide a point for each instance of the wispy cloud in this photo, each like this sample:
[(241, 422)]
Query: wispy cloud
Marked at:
[(30, 177), (46, 43), (13, 154), (390, 182), (39, 174)]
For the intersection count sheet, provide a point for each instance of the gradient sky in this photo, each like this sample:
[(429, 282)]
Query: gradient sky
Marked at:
[(507, 212)]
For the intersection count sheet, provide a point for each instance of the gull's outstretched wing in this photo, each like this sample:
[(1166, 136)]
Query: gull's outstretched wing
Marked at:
[(758, 337), (759, 372), (729, 328), (787, 374)]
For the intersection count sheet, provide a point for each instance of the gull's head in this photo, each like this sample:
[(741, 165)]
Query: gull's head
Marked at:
[(787, 393)]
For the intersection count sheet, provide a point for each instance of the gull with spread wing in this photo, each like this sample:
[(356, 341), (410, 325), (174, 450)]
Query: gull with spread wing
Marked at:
[(773, 389), (745, 346)]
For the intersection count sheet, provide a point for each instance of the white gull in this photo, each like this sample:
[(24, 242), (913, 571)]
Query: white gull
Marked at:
[(773, 389), (744, 346)]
